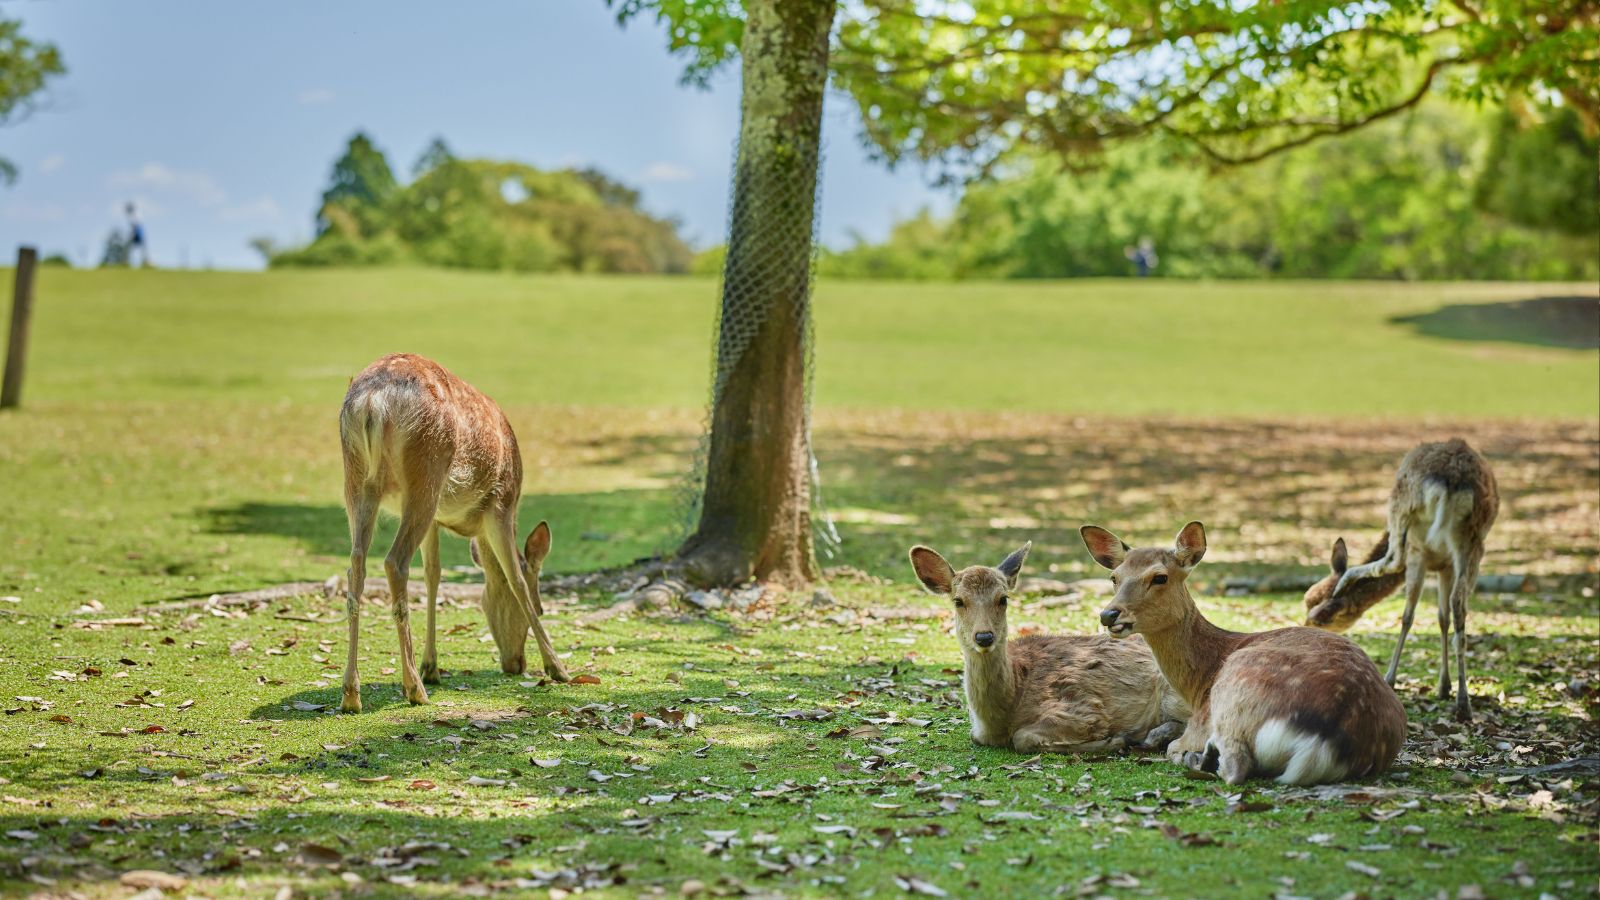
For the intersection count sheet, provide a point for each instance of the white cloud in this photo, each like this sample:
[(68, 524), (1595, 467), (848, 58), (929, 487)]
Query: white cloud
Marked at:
[(51, 163), (666, 171), (315, 96), (198, 187), (261, 209)]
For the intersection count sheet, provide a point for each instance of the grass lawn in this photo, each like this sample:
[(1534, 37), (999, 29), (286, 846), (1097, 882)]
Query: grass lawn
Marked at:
[(178, 440)]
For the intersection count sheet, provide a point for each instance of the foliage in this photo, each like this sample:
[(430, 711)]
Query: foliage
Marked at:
[(117, 249), (362, 187), (972, 82), (26, 68), (1393, 201), (917, 248), (482, 214), (1541, 174)]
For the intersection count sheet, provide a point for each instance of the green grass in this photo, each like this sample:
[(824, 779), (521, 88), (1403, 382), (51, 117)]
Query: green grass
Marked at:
[(177, 440), (1111, 347)]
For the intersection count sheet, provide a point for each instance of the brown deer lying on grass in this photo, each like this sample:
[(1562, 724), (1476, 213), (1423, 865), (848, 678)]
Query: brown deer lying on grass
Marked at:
[(1056, 693), (413, 431), (1444, 502), (1297, 703)]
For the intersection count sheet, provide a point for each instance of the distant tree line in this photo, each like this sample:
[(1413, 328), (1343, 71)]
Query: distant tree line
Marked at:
[(481, 214), (1437, 193)]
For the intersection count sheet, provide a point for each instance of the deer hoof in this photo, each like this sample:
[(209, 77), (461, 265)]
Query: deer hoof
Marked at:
[(556, 672), (430, 671), (1463, 709), (416, 695), (351, 702)]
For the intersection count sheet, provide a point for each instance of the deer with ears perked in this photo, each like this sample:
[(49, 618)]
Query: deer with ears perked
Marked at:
[(1299, 704), (1056, 693), (1444, 501), (412, 431)]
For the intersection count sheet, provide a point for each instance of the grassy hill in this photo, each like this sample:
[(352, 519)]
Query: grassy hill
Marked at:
[(1102, 347), (178, 439)]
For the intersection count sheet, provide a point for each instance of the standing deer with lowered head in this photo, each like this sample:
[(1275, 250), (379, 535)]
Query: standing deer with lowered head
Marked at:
[(413, 431), (1056, 693), (1444, 502), (1303, 705)]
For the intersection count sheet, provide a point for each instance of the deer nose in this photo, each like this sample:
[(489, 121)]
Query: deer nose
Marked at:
[(984, 639), (1108, 617)]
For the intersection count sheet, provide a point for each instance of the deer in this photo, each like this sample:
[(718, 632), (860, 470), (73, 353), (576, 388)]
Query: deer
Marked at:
[(413, 432), (1298, 704), (1444, 502), (1048, 693)]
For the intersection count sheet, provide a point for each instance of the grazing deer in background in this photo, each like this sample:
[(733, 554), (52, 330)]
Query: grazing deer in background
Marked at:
[(1297, 703), (1444, 502), (1056, 693), (413, 431)]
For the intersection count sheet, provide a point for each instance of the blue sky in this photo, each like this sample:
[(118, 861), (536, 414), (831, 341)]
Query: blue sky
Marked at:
[(222, 120)]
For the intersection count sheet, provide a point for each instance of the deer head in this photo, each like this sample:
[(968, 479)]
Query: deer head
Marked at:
[(1336, 602), (979, 593), (1150, 594)]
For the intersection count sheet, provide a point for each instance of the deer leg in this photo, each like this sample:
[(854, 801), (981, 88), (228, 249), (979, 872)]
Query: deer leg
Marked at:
[(500, 535), (430, 571), (1060, 734), (416, 518), (1460, 594), (1415, 574), (361, 508), (1446, 587), (1235, 762), (1191, 744), (1162, 735)]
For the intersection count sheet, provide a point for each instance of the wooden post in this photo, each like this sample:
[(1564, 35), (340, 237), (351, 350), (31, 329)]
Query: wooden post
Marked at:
[(21, 312)]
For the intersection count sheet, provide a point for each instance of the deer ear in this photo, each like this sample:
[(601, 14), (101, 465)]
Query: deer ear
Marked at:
[(932, 570), (1341, 557), (537, 546), (472, 547), (1190, 545), (1011, 566), (1106, 548)]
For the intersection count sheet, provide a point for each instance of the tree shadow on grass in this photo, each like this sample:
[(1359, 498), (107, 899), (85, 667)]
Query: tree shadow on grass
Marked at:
[(593, 530), (1567, 322), (1274, 494)]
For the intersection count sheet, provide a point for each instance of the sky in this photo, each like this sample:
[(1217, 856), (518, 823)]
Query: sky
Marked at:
[(221, 121)]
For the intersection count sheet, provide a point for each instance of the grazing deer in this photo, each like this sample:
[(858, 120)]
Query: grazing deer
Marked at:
[(1444, 502), (1297, 703), (1056, 693), (413, 431)]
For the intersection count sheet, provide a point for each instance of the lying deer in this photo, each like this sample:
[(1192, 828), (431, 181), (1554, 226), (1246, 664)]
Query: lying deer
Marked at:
[(1442, 507), (1057, 693), (413, 431), (1297, 703)]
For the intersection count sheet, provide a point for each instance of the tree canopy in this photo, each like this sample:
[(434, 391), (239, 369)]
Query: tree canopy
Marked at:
[(26, 67), (1399, 200), (968, 82), (482, 214)]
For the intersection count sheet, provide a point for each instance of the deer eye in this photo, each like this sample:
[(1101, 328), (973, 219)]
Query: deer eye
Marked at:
[(960, 603), (1159, 579), (1001, 602), (1114, 580)]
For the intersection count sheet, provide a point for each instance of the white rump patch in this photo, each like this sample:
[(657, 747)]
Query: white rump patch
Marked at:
[(1295, 756)]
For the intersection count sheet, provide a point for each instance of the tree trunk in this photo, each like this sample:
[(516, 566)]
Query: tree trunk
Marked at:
[(755, 515)]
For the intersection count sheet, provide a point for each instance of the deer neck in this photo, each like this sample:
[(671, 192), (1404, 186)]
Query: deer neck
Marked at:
[(1191, 651), (991, 688)]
